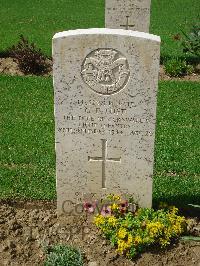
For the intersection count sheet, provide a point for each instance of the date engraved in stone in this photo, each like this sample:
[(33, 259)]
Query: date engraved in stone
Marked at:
[(105, 71)]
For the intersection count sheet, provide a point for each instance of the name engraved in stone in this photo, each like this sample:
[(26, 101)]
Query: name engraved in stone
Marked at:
[(105, 111)]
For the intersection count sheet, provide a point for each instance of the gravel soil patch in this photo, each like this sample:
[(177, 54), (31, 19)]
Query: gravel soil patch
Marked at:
[(26, 228)]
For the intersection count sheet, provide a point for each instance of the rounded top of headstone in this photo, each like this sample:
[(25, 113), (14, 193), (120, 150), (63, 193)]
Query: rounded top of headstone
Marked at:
[(119, 32)]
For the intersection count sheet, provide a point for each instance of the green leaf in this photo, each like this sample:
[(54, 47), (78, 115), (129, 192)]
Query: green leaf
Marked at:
[(193, 205), (190, 238)]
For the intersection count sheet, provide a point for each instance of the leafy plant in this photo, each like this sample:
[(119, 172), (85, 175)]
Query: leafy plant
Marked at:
[(191, 41), (132, 232), (194, 205), (176, 67), (61, 255), (190, 238), (30, 59)]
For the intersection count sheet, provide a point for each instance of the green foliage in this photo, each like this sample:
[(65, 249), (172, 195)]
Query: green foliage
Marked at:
[(177, 67), (39, 21), (132, 232), (191, 40), (190, 238), (194, 205), (62, 255), (30, 59), (27, 152), (177, 149), (167, 16)]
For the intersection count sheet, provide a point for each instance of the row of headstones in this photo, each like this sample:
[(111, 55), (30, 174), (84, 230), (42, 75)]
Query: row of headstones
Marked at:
[(105, 83)]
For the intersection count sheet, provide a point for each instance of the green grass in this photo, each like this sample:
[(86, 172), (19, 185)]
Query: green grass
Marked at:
[(177, 153), (27, 158), (168, 17), (40, 19)]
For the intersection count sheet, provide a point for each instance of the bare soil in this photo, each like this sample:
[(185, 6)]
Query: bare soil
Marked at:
[(27, 227), (9, 66)]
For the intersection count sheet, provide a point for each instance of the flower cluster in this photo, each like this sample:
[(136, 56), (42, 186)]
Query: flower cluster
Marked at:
[(133, 231), (112, 204)]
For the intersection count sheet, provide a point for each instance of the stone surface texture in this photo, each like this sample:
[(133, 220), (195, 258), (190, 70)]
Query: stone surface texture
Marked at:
[(133, 13), (105, 84)]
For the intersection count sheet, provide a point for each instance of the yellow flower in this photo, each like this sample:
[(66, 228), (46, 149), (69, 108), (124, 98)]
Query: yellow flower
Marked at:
[(113, 197), (122, 233), (130, 239), (116, 197), (173, 209), (167, 232), (177, 229), (121, 246), (155, 228), (99, 220), (137, 240), (114, 207), (181, 219), (179, 226), (164, 242), (112, 220)]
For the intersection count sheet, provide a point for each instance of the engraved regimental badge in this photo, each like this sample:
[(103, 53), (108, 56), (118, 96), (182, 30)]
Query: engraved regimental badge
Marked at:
[(105, 71)]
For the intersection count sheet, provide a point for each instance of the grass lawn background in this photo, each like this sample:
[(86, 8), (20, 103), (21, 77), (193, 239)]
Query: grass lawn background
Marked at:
[(27, 158), (39, 20)]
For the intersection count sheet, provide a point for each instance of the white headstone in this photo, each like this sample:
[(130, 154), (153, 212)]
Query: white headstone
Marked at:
[(128, 14), (105, 84)]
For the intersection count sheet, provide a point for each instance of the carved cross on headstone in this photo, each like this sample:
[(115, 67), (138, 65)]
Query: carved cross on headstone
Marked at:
[(104, 159), (127, 24)]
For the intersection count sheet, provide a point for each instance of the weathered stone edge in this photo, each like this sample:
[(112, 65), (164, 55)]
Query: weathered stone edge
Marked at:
[(98, 31)]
